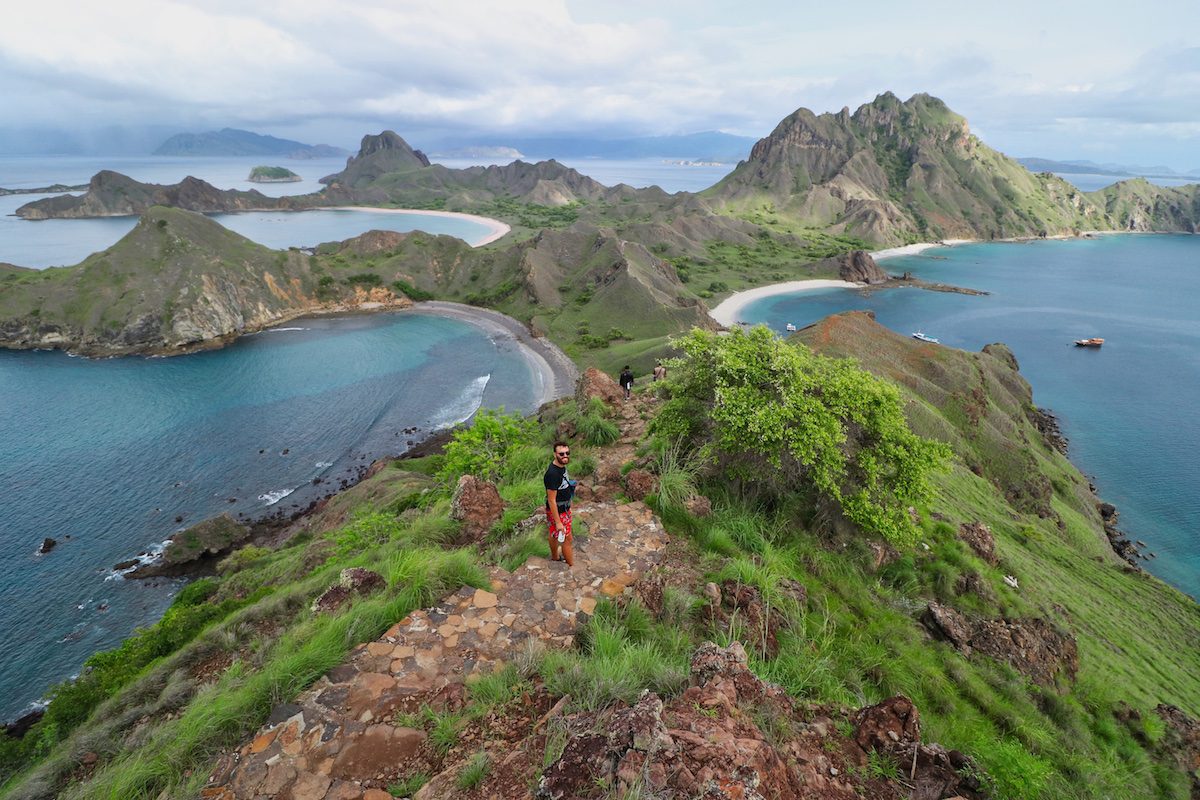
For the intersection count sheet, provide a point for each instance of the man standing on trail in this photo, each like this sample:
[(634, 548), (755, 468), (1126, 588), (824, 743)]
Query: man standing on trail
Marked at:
[(626, 381), (559, 491), (660, 372)]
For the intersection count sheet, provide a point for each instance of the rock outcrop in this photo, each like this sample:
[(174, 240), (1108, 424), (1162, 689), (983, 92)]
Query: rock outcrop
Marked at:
[(980, 539), (351, 582), (857, 266), (206, 540), (1034, 647), (477, 505), (709, 742), (594, 383)]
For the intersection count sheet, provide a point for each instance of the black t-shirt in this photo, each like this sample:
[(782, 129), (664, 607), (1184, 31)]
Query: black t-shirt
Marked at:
[(556, 478), (626, 378)]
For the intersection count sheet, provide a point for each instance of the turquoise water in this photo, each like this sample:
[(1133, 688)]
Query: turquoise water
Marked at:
[(62, 242), (1129, 409), (110, 452)]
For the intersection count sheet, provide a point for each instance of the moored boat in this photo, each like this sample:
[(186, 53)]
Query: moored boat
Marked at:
[(1095, 341), (789, 327), (922, 337)]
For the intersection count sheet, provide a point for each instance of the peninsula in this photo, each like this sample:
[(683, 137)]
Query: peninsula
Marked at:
[(847, 564)]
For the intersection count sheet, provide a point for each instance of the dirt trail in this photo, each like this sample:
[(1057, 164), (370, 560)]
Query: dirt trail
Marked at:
[(340, 741)]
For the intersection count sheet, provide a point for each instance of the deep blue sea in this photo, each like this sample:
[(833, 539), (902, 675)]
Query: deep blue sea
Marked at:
[(1129, 408), (110, 452)]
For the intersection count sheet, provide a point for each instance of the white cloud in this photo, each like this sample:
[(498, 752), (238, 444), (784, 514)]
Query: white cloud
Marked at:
[(531, 66)]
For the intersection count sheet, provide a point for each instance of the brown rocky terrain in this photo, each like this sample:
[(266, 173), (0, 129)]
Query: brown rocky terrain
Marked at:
[(727, 734)]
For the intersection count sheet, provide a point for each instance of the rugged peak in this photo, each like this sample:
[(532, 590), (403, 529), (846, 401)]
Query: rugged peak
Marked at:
[(390, 141), (377, 156)]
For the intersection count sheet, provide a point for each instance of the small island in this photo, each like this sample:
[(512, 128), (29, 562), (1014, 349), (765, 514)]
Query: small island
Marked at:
[(273, 175)]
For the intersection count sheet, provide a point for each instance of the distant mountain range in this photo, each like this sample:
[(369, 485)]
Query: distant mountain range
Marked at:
[(1092, 168), (234, 142), (704, 146)]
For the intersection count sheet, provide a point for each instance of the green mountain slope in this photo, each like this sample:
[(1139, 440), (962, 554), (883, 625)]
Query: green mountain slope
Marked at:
[(895, 172), (234, 142), (177, 279)]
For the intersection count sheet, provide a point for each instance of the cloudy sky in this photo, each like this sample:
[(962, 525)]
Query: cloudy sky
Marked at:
[(1097, 80)]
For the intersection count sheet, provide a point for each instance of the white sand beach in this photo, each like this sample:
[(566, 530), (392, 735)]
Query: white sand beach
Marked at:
[(553, 370), (496, 228), (728, 309), (913, 249)]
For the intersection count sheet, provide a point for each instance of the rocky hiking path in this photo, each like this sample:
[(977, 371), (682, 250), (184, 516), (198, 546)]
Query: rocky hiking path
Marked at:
[(726, 736), (340, 740)]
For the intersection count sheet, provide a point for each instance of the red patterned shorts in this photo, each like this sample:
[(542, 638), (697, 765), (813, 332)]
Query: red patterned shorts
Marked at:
[(564, 517)]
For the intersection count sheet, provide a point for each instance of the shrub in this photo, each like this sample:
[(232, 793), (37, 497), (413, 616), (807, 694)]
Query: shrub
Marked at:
[(483, 448), (410, 291), (364, 279), (597, 431), (769, 416), (676, 478)]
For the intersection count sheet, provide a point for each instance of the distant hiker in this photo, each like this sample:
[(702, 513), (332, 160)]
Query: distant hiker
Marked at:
[(660, 372), (559, 491), (626, 381)]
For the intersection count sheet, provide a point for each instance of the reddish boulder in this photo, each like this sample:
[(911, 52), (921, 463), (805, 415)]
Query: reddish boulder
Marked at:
[(741, 609), (980, 539), (639, 483), (355, 580), (698, 506), (477, 505), (1182, 741), (946, 623), (594, 383), (894, 721), (1034, 647)]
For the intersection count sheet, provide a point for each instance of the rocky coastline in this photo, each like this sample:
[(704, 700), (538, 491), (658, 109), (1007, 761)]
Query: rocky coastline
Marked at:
[(1128, 550)]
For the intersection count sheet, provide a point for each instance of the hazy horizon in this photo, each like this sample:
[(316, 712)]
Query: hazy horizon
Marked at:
[(1064, 81)]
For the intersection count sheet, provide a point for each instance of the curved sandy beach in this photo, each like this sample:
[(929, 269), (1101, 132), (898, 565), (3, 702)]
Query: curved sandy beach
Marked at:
[(555, 372), (727, 311), (496, 228)]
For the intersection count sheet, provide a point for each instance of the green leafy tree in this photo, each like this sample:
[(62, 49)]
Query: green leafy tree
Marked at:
[(776, 417), (483, 448)]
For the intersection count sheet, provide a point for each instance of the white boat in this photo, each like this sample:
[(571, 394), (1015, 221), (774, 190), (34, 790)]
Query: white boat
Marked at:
[(789, 327), (922, 337)]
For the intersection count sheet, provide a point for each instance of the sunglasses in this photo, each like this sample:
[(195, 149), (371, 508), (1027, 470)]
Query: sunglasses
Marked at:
[(563, 453)]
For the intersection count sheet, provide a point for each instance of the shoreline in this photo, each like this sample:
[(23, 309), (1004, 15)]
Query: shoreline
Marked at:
[(496, 228), (726, 312), (555, 371)]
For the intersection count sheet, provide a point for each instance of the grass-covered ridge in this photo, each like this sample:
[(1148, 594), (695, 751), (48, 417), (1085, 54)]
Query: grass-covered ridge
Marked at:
[(845, 609)]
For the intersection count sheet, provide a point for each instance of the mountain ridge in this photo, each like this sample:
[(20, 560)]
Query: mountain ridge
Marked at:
[(237, 142)]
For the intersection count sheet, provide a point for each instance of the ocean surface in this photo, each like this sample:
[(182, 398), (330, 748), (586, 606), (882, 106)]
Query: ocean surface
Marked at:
[(1129, 408), (104, 455), (1089, 183)]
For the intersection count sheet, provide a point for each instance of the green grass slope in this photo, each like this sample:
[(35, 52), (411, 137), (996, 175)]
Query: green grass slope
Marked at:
[(1134, 631), (177, 278), (895, 172)]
